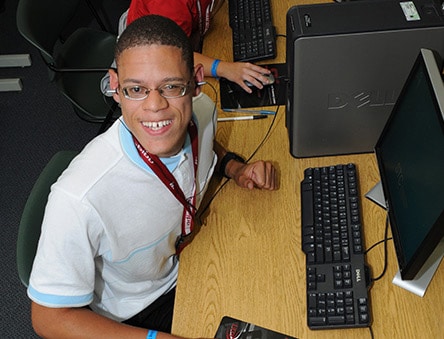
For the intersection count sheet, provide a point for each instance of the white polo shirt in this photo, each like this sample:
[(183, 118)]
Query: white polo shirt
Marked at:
[(110, 226)]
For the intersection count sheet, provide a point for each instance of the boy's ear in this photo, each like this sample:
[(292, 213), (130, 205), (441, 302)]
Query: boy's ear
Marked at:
[(198, 78), (114, 83)]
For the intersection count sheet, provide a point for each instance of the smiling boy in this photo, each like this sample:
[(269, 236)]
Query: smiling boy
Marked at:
[(107, 264)]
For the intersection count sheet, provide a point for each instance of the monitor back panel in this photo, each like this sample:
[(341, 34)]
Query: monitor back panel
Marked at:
[(346, 74)]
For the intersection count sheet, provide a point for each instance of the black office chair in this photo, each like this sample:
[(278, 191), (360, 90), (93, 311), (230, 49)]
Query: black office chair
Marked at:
[(32, 216), (76, 65)]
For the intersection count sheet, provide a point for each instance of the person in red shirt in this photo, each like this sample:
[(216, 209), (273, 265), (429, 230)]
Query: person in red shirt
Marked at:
[(194, 16)]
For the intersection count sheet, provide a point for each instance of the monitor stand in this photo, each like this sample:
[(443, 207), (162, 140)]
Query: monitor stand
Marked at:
[(422, 280), (376, 194)]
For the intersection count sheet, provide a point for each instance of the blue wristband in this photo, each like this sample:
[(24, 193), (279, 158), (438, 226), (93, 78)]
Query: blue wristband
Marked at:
[(214, 68), (151, 334)]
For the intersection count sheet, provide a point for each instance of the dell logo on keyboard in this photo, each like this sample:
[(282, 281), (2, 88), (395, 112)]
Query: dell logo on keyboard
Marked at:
[(358, 275), (361, 99)]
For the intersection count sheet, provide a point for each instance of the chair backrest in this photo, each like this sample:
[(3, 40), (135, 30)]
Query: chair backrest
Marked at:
[(79, 63), (86, 49), (32, 216), (42, 22)]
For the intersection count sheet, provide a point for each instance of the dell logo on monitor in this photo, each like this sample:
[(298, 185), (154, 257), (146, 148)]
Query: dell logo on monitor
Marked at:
[(361, 99)]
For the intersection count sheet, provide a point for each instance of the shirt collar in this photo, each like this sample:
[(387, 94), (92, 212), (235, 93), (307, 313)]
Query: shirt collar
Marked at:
[(127, 143)]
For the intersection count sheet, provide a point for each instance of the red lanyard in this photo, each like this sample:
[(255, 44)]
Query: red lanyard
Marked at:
[(170, 182)]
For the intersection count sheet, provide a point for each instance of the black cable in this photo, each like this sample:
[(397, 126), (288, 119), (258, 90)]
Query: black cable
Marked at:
[(265, 137), (376, 244), (371, 332), (202, 210), (385, 240)]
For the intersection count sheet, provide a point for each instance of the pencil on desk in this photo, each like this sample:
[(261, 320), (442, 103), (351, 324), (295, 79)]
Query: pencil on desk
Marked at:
[(241, 110), (249, 117)]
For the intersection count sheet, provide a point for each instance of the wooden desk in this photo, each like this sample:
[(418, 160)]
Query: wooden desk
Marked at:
[(247, 262)]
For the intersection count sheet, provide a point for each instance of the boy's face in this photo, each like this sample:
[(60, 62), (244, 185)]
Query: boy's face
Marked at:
[(158, 123)]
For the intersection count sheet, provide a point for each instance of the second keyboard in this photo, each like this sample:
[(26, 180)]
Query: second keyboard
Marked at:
[(253, 33), (337, 277)]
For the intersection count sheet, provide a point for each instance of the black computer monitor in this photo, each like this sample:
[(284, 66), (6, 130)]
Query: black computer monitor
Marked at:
[(410, 155)]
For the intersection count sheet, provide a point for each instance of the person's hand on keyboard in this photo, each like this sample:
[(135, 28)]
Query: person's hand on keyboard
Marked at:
[(239, 72)]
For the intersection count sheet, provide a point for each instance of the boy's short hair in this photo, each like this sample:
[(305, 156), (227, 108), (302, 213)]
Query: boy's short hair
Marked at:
[(155, 30)]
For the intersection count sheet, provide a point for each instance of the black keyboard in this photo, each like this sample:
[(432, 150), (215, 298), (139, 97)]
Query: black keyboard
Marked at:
[(337, 277), (254, 36)]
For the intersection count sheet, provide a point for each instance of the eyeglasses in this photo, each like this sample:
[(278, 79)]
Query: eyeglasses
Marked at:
[(168, 91)]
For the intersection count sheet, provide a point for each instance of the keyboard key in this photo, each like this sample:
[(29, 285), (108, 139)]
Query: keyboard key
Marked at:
[(317, 321), (336, 320)]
